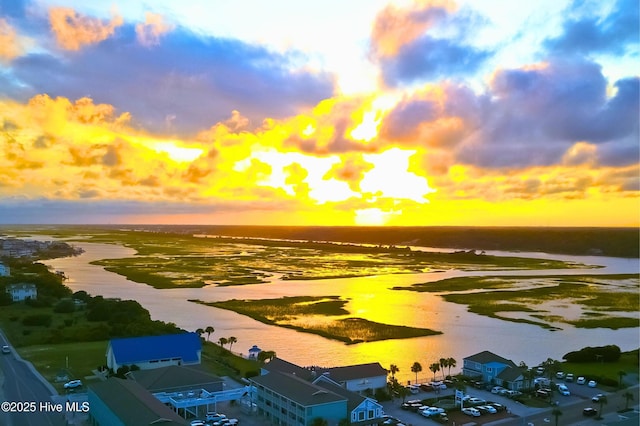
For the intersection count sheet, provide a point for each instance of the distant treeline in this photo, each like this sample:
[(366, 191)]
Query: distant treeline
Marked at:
[(615, 242)]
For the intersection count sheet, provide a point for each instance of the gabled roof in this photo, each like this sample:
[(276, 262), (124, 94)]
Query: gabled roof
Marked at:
[(487, 357), (174, 377), (510, 374), (141, 349), (353, 372), (282, 366), (297, 389), (353, 399), (133, 405)]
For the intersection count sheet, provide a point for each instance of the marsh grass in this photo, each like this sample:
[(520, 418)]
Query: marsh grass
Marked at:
[(169, 259), (599, 296), (298, 313)]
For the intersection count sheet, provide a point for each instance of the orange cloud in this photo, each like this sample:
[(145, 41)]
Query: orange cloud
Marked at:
[(149, 32), (73, 31), (10, 47), (395, 27)]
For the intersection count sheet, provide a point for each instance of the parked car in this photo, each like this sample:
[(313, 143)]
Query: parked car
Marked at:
[(487, 409), (426, 387), (497, 389), (581, 380), (6, 350), (597, 397), (73, 384), (198, 423), (414, 389), (214, 417), (498, 407), (470, 411), (540, 371), (431, 411), (589, 412), (513, 393), (564, 390), (560, 375), (475, 401), (441, 418), (569, 377), (389, 420), (542, 393), (592, 383)]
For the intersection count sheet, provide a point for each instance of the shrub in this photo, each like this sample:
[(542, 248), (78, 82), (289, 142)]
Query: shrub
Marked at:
[(65, 306), (43, 320), (609, 353)]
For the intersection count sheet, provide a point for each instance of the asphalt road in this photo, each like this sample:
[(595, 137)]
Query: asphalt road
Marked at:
[(22, 385)]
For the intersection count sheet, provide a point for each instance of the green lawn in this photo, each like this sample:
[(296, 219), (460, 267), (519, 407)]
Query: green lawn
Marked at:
[(81, 358)]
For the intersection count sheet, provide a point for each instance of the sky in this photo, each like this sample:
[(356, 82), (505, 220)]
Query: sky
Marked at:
[(332, 112)]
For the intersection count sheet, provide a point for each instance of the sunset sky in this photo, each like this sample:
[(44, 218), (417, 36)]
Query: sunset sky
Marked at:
[(332, 112)]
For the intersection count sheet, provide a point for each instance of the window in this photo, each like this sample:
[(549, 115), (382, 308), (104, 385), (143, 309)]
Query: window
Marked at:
[(361, 416), (370, 416)]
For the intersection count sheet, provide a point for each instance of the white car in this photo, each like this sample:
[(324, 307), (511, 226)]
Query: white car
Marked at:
[(564, 390), (488, 408), (581, 380), (560, 375), (73, 384), (592, 383), (497, 389), (432, 411), (470, 411)]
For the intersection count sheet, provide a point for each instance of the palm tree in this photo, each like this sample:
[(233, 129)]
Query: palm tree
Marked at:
[(403, 391), (231, 340), (435, 367), (393, 369), (200, 332), (263, 356), (628, 396), (603, 401), (444, 362), (451, 362), (209, 330), (416, 368), (621, 374), (223, 341), (556, 413)]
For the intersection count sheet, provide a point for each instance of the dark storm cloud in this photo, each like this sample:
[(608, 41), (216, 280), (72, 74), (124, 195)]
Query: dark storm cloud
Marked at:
[(185, 84), (612, 33), (429, 59)]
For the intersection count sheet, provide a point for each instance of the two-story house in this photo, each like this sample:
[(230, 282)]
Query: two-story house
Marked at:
[(493, 369)]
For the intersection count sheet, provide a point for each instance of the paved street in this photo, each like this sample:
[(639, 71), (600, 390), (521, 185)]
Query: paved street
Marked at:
[(21, 383)]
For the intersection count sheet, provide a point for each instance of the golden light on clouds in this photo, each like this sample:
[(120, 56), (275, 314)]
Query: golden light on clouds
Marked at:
[(72, 31)]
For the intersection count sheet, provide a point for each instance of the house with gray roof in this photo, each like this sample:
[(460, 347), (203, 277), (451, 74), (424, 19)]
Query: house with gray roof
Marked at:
[(176, 379), (358, 378), (288, 394), (149, 352), (493, 369), (22, 291), (288, 400), (117, 402), (360, 409)]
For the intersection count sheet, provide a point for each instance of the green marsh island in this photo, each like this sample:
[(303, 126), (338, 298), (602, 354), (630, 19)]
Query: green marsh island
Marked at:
[(325, 316)]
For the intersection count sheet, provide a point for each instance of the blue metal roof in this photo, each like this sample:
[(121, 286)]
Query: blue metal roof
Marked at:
[(141, 349)]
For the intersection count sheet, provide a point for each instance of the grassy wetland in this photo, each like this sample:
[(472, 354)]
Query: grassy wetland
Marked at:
[(583, 301), (178, 260), (324, 316)]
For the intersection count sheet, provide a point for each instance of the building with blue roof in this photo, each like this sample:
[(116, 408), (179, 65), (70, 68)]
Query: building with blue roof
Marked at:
[(149, 352)]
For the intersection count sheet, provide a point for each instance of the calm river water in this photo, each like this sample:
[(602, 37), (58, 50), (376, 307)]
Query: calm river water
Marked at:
[(464, 333)]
